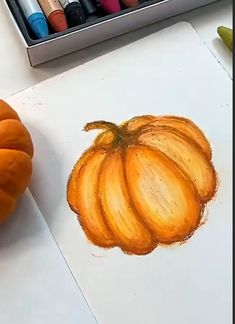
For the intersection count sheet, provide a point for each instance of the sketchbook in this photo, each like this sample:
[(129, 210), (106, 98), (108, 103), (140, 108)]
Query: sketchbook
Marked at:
[(144, 219)]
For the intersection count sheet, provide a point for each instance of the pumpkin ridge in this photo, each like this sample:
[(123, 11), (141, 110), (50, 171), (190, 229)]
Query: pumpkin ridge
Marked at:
[(150, 127), (180, 169), (10, 166), (188, 123), (89, 234), (126, 125), (99, 138), (100, 200), (12, 149), (18, 138), (197, 147), (138, 215), (73, 175), (123, 246), (175, 131), (194, 195)]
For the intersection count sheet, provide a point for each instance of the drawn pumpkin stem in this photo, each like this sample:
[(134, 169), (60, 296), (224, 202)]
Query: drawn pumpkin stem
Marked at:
[(117, 131)]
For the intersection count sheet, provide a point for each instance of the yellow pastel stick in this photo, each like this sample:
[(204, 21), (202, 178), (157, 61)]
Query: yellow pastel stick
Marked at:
[(226, 35)]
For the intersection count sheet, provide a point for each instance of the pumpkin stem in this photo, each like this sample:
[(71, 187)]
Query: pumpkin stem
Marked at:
[(101, 124)]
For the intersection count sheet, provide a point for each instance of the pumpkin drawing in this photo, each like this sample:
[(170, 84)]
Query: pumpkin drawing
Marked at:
[(16, 152), (143, 183)]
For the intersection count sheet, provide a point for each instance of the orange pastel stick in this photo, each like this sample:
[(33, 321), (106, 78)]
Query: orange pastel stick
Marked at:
[(55, 14)]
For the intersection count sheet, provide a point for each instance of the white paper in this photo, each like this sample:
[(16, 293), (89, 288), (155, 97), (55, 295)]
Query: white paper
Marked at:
[(170, 72), (36, 285)]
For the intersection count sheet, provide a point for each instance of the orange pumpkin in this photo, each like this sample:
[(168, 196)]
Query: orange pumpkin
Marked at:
[(143, 183), (16, 152)]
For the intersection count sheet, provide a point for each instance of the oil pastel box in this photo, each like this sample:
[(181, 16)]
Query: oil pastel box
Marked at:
[(97, 30)]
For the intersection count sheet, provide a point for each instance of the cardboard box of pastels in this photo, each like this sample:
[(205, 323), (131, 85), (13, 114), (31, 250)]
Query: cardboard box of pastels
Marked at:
[(52, 28)]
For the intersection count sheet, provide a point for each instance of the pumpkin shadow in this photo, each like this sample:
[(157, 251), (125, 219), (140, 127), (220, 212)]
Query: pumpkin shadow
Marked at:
[(47, 185), (21, 228)]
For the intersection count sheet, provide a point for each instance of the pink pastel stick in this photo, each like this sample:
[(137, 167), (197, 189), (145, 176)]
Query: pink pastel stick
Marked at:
[(111, 6)]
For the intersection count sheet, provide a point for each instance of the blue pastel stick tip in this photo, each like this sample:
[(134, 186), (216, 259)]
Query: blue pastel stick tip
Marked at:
[(38, 24)]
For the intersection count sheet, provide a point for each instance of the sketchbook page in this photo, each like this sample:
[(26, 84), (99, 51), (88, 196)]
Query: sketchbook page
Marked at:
[(167, 73), (36, 284)]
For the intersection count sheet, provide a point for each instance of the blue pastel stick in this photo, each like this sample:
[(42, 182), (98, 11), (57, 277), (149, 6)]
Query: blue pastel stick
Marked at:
[(35, 17)]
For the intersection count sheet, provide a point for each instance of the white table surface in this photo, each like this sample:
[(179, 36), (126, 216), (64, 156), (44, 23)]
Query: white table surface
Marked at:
[(60, 301)]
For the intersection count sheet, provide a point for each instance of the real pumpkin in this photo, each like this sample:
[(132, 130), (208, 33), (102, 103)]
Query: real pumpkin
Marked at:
[(16, 152), (143, 183)]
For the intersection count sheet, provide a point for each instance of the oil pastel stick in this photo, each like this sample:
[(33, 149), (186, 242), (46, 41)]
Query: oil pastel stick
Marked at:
[(35, 17), (110, 6), (55, 14), (131, 3), (89, 6), (74, 12)]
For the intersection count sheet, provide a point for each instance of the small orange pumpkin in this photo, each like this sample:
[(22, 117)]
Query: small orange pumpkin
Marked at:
[(143, 183), (16, 152)]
